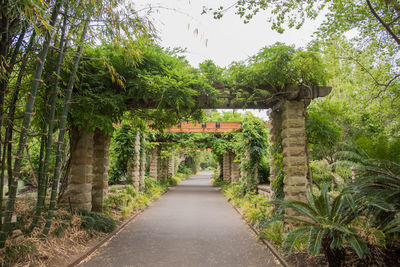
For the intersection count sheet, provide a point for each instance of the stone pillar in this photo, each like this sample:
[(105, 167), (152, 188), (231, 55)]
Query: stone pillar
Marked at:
[(154, 163), (226, 169), (164, 167), (234, 171), (142, 169), (79, 188), (294, 150), (133, 165), (171, 166), (136, 162), (101, 143), (275, 130)]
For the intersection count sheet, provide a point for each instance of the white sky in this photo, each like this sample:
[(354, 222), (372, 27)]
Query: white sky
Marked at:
[(228, 39)]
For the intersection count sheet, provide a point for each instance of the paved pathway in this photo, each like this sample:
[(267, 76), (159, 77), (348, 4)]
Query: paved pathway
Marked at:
[(192, 225)]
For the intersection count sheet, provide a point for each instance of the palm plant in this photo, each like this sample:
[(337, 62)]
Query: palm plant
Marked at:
[(325, 222)]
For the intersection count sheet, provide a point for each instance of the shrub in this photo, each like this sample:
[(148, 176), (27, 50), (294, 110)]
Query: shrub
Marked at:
[(326, 223), (14, 252), (174, 181), (273, 232), (255, 208), (218, 182), (96, 221)]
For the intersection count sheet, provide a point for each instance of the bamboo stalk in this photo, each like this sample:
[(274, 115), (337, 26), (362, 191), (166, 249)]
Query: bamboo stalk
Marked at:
[(63, 121), (42, 181), (25, 126)]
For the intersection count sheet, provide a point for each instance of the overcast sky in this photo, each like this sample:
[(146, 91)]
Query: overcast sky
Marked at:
[(224, 40), (180, 24)]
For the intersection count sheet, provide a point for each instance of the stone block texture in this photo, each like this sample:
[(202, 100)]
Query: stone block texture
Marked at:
[(136, 162), (294, 149), (142, 169), (171, 166), (79, 188), (101, 144), (154, 163), (275, 129), (234, 171), (226, 168)]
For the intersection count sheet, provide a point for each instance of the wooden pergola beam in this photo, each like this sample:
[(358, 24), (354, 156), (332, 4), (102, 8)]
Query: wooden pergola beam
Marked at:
[(207, 127)]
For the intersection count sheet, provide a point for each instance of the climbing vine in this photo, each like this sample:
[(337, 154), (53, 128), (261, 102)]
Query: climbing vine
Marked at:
[(122, 145), (254, 147), (276, 152)]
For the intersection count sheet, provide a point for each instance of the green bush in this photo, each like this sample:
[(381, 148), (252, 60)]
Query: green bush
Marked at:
[(273, 232), (97, 221), (174, 181), (218, 182), (14, 252)]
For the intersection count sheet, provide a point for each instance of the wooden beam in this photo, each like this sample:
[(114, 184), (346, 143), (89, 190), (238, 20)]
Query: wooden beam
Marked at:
[(206, 127)]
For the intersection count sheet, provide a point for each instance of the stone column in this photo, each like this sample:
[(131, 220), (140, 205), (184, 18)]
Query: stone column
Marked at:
[(234, 171), (275, 130), (79, 188), (294, 150), (164, 168), (154, 163), (101, 143), (133, 164), (142, 169), (226, 170), (171, 166), (136, 162)]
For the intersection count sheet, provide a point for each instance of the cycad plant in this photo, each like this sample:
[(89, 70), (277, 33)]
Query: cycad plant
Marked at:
[(376, 188), (325, 222)]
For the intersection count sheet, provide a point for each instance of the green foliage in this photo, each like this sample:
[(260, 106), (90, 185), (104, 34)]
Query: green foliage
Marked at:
[(376, 187), (328, 223), (122, 147), (273, 232), (219, 182), (112, 76), (257, 211), (323, 133), (126, 200), (276, 151), (174, 181), (17, 251), (97, 221), (255, 146), (321, 172)]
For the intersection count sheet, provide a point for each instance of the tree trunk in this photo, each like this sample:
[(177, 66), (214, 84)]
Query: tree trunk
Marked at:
[(25, 126), (63, 121), (334, 256), (3, 60), (46, 149)]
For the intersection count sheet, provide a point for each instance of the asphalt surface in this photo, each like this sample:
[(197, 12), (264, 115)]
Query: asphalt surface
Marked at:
[(191, 225)]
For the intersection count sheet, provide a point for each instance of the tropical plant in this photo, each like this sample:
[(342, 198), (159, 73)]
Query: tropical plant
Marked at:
[(325, 222), (376, 186)]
